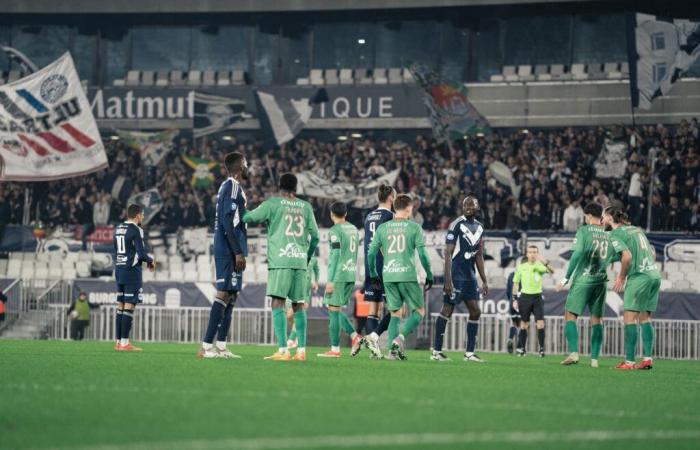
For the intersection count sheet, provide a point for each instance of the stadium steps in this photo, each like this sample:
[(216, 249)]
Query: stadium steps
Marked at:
[(32, 325)]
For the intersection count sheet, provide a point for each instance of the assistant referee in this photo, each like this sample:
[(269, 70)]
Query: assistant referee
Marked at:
[(527, 287)]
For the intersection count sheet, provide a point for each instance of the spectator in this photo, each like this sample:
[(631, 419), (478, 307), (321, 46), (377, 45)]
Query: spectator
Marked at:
[(79, 314), (101, 213), (573, 216), (3, 306)]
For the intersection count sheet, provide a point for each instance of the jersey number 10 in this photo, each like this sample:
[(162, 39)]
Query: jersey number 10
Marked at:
[(121, 244)]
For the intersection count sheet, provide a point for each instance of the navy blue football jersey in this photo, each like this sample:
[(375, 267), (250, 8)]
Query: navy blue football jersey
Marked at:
[(130, 252), (466, 236), (230, 234), (372, 222)]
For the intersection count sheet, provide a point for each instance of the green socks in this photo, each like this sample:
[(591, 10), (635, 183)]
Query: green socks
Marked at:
[(299, 328), (394, 325), (334, 327), (596, 340), (630, 341), (345, 323), (411, 323), (647, 339), (571, 333), (279, 321)]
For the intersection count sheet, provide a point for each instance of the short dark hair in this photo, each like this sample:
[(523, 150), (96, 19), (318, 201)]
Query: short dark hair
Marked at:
[(594, 209), (133, 210), (288, 182), (232, 160), (402, 201), (384, 192), (618, 214), (339, 209), (534, 246)]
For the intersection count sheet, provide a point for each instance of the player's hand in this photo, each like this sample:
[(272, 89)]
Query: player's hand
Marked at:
[(376, 283), (516, 306), (448, 289), (151, 266), (329, 288), (428, 284), (240, 263), (485, 289), (314, 287), (619, 285)]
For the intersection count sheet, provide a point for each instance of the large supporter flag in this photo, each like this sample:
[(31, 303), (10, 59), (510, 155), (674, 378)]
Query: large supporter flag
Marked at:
[(360, 194), (660, 52), (152, 146), (214, 113), (202, 167), (150, 200), (452, 116), (284, 117), (47, 130)]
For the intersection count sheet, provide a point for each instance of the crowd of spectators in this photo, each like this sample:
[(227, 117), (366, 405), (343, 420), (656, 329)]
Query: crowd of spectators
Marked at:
[(553, 171)]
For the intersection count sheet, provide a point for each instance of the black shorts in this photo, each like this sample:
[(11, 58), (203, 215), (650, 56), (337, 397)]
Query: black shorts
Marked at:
[(531, 304)]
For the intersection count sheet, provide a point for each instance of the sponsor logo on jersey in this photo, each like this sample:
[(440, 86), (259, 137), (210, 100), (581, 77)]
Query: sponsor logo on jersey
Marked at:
[(291, 251), (469, 255), (349, 266), (472, 238), (393, 266)]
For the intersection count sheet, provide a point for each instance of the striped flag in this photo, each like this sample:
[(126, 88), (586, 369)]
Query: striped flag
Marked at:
[(47, 130), (284, 118), (214, 113)]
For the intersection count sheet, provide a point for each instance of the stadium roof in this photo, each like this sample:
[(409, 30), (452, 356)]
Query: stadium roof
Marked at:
[(207, 6)]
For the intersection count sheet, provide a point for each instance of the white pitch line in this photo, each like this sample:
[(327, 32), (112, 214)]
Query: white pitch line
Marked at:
[(399, 440)]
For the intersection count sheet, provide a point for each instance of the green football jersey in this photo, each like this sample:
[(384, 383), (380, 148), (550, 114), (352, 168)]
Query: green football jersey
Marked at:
[(398, 240), (591, 250), (292, 234), (633, 239), (344, 239)]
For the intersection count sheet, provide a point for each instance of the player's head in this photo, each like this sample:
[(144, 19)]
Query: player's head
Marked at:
[(339, 211), (470, 206), (403, 205), (614, 216), (532, 253), (593, 213), (288, 183), (236, 165), (134, 213), (386, 194)]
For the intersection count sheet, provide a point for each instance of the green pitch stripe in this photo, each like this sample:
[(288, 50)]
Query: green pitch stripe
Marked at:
[(394, 440)]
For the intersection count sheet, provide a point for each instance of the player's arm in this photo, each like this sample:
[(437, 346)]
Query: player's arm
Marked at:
[(312, 230), (509, 287), (229, 208), (482, 271), (516, 282), (315, 273), (625, 256), (258, 215), (450, 241), (141, 249), (424, 259), (333, 261), (576, 255), (372, 252)]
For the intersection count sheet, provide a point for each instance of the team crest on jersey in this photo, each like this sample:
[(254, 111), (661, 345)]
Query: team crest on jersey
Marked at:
[(393, 266), (472, 238), (291, 251)]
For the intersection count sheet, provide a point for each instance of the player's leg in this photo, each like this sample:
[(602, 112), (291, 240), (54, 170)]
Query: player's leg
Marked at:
[(373, 300), (133, 294), (472, 326), (597, 308), (632, 307), (357, 340), (538, 310), (652, 299), (118, 316), (412, 295), (575, 303), (448, 308), (292, 338), (225, 279), (300, 321), (514, 327), (225, 327), (394, 302), (279, 288), (377, 300)]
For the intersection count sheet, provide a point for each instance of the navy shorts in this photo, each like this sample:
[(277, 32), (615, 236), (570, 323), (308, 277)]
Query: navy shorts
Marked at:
[(131, 292), (371, 294), (227, 279), (463, 291)]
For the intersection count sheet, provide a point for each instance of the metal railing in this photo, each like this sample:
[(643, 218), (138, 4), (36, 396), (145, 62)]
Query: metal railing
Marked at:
[(674, 339), (161, 324)]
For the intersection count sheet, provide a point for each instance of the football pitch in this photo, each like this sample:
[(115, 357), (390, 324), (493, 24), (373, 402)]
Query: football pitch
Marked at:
[(84, 395)]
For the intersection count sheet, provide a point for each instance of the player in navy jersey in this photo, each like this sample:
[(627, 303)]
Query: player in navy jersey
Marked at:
[(464, 255), (514, 313), (230, 251), (373, 296), (130, 253)]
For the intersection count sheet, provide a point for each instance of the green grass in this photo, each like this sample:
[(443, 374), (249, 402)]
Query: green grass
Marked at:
[(84, 395)]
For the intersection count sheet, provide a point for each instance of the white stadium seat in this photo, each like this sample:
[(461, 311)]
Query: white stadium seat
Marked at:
[(191, 276), (394, 75), (379, 76), (55, 272), (316, 77), (27, 272), (578, 72), (194, 78), (238, 77), (331, 76), (83, 269), (509, 73), (525, 73), (345, 76)]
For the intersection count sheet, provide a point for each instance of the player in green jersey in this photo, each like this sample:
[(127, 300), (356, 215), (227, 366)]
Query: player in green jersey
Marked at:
[(399, 239), (312, 277), (292, 237), (342, 271), (588, 278), (643, 279)]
